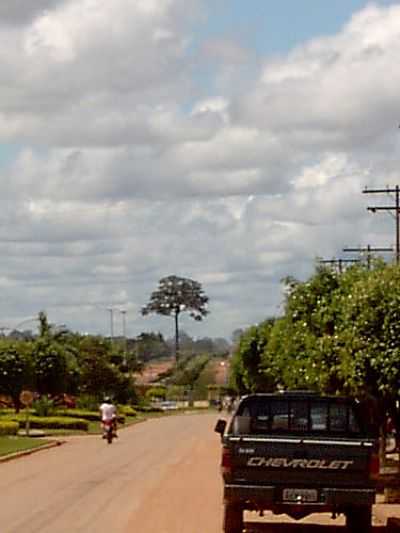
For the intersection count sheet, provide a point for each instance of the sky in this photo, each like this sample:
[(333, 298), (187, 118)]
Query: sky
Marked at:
[(219, 140)]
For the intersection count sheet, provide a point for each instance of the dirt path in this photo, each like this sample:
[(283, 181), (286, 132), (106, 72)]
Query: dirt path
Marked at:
[(161, 476)]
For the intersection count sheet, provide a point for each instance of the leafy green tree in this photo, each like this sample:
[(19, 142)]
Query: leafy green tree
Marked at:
[(149, 346), (340, 334), (54, 359), (369, 331), (100, 372), (15, 370), (175, 392), (177, 295), (247, 374), (50, 366), (188, 371), (301, 346)]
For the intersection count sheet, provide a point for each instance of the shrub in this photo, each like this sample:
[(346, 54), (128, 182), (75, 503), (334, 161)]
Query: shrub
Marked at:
[(91, 416), (156, 393), (148, 409), (87, 402), (52, 422), (127, 410), (8, 427), (6, 411), (43, 406)]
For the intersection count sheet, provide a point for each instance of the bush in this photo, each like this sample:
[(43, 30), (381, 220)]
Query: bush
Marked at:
[(127, 410), (6, 411), (88, 402), (8, 427), (51, 422), (156, 393), (43, 406), (148, 409), (91, 416)]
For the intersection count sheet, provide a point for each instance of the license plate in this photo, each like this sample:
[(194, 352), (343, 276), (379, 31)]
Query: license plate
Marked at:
[(300, 495)]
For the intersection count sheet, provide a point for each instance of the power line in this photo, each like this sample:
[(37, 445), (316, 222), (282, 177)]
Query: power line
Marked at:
[(395, 208), (368, 250), (338, 262)]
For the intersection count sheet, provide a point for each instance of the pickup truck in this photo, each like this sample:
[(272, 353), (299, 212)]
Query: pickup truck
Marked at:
[(299, 453)]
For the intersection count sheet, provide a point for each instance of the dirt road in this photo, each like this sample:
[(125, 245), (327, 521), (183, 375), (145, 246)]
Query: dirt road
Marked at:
[(161, 476)]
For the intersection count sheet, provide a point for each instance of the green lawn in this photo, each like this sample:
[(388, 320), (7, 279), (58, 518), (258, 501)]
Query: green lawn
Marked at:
[(16, 444)]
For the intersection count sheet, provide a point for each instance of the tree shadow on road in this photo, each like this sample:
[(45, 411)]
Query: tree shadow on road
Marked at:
[(301, 528)]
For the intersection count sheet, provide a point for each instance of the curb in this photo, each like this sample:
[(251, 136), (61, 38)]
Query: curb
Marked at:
[(30, 451)]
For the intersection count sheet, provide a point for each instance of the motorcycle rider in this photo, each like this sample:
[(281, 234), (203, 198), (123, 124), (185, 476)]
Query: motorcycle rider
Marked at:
[(108, 412)]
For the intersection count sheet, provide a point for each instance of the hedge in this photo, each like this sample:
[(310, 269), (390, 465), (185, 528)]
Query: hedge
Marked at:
[(7, 427), (91, 416), (51, 422), (127, 410), (148, 409)]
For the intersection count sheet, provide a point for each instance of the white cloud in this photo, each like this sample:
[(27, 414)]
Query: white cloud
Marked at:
[(129, 171), (24, 11)]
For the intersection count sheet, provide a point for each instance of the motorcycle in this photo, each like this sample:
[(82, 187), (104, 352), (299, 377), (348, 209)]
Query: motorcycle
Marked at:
[(109, 430)]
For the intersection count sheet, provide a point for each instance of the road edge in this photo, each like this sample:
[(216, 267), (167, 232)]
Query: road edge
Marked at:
[(30, 451)]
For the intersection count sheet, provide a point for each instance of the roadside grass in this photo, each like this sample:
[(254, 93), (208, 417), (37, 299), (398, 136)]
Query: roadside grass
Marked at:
[(12, 444)]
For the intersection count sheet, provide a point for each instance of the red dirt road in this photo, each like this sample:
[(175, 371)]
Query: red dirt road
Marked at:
[(161, 476)]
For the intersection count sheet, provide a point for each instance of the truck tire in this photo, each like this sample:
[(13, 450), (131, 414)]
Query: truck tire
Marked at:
[(359, 519), (233, 518)]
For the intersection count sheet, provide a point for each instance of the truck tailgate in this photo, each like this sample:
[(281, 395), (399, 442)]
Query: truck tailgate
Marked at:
[(318, 462)]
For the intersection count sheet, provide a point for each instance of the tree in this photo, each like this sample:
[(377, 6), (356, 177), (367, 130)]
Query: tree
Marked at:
[(50, 364), (174, 296), (149, 346), (188, 371), (100, 370), (370, 333), (54, 359), (14, 370), (247, 372)]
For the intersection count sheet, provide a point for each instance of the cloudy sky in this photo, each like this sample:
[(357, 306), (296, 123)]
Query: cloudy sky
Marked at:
[(220, 140)]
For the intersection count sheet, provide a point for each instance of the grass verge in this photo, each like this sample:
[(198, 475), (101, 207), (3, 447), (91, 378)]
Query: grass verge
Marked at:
[(13, 444)]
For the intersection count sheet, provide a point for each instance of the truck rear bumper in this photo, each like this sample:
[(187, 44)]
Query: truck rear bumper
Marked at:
[(269, 496)]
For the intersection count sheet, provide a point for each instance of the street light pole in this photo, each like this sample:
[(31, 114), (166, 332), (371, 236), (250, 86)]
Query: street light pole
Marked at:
[(111, 311), (123, 313), (397, 226)]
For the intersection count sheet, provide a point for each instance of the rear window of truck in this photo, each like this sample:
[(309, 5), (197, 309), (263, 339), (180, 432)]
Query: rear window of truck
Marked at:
[(311, 416)]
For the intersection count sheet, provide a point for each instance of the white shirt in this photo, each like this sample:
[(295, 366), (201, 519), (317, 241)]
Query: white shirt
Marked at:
[(108, 411)]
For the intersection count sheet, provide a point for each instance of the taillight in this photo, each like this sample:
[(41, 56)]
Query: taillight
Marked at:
[(374, 466), (226, 462)]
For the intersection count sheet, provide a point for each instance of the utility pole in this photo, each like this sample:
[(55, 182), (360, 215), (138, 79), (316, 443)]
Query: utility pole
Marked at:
[(123, 313), (396, 208), (338, 262), (111, 311), (368, 250)]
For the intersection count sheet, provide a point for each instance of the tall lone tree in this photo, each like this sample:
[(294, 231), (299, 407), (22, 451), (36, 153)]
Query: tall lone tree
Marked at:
[(177, 295)]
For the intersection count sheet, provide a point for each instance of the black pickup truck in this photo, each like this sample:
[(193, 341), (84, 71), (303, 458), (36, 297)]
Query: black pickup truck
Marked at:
[(299, 453)]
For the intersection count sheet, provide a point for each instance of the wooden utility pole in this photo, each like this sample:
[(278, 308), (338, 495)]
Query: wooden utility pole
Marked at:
[(369, 251), (396, 208), (338, 262)]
